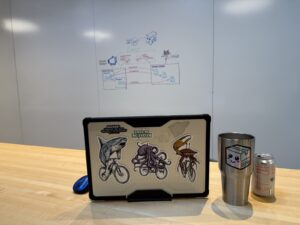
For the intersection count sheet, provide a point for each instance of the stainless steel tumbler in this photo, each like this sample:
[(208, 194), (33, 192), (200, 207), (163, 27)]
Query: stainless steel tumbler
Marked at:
[(235, 154)]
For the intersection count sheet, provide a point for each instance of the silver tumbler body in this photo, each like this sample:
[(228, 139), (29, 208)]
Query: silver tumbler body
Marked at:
[(235, 154)]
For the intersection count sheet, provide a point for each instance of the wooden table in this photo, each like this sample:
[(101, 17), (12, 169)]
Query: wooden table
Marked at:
[(36, 188)]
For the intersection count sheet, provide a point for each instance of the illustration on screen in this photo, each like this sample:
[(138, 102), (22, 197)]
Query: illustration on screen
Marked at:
[(149, 159), (110, 153), (187, 162)]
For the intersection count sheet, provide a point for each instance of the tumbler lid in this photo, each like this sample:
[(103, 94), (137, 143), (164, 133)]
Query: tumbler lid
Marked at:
[(235, 135)]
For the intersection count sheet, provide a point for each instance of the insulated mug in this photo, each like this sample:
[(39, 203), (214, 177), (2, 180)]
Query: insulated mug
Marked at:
[(235, 154)]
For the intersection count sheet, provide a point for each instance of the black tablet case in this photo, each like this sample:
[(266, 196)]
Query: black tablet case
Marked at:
[(147, 158)]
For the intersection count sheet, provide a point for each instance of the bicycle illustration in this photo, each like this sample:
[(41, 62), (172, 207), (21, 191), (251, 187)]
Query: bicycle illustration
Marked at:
[(108, 150), (120, 173), (187, 162), (150, 160)]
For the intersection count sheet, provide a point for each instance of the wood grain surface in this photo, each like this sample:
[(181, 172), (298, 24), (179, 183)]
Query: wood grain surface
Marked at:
[(36, 188)]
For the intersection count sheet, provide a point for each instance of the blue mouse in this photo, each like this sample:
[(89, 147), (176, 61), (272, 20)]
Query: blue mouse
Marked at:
[(81, 186)]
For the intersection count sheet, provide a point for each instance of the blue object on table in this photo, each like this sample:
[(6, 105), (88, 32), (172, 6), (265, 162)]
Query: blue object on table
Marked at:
[(81, 186)]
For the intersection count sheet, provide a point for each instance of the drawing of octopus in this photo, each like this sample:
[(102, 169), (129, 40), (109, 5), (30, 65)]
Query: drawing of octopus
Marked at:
[(150, 160), (187, 162)]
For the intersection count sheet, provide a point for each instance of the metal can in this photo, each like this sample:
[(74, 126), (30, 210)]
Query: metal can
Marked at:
[(263, 177)]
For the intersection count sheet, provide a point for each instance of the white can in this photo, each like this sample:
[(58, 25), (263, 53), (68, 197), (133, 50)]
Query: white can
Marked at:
[(263, 177)]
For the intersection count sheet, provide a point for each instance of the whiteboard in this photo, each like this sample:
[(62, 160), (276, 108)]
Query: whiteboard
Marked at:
[(154, 57)]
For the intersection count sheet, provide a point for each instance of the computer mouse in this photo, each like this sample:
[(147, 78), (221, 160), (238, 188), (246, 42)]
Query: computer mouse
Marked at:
[(81, 186)]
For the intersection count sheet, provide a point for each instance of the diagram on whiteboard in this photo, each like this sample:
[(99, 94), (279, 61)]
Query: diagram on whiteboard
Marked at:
[(149, 39), (165, 74), (140, 62), (114, 79)]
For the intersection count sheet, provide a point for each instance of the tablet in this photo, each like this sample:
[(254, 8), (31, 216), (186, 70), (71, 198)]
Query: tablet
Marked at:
[(147, 158)]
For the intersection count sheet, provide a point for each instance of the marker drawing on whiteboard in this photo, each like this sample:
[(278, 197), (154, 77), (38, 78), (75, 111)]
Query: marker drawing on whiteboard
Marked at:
[(138, 74), (151, 37), (166, 54), (125, 59), (112, 60), (102, 62), (140, 63), (144, 58), (114, 79), (165, 74), (132, 41)]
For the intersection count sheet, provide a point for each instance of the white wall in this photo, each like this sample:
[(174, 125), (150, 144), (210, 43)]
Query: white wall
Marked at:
[(10, 124), (56, 70), (253, 85), (257, 75)]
